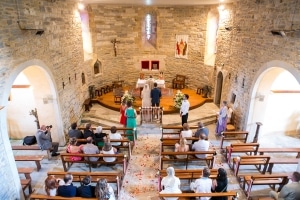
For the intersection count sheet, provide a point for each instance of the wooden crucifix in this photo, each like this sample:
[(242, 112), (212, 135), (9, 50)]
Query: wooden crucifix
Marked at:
[(35, 114), (115, 41)]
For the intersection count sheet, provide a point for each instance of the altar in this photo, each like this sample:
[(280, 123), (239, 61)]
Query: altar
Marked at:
[(141, 82)]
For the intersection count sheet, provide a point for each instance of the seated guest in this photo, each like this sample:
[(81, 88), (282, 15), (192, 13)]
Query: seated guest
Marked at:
[(51, 185), (170, 184), (109, 149), (73, 148), (203, 184), (86, 189), (115, 136), (290, 191), (88, 131), (104, 191), (220, 184), (99, 137), (182, 147), (67, 190), (89, 148), (186, 132), (74, 132), (201, 129), (44, 140), (201, 145)]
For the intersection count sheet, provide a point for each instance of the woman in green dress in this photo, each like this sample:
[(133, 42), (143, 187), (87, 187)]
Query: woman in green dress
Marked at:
[(131, 120)]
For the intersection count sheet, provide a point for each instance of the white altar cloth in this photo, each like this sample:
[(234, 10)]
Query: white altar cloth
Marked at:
[(141, 82)]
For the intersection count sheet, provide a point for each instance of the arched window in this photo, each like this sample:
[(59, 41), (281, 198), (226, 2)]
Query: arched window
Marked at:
[(83, 78), (149, 29), (211, 37), (97, 67)]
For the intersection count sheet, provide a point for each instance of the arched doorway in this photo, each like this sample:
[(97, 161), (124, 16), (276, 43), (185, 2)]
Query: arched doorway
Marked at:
[(274, 103), (8, 171), (219, 88)]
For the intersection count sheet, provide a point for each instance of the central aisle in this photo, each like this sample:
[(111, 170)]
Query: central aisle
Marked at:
[(140, 181)]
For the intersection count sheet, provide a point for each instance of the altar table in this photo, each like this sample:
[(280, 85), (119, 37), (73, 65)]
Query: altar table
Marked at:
[(141, 82)]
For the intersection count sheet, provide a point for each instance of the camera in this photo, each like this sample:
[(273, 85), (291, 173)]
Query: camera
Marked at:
[(50, 126)]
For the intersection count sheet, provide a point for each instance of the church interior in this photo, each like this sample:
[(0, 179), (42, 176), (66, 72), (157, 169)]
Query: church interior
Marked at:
[(65, 61)]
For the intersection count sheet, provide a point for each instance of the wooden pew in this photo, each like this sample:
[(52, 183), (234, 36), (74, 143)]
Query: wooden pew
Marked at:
[(125, 144), (111, 177), (186, 174), (26, 171), (263, 150), (36, 159), (234, 136), (43, 196), (31, 148), (118, 129), (190, 156), (67, 162), (230, 194), (281, 161), (259, 179), (26, 183), (247, 148), (251, 160), (165, 130)]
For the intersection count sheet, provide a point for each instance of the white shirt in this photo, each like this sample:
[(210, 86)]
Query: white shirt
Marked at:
[(202, 185), (187, 133), (171, 185), (201, 145), (109, 159), (185, 106), (115, 136)]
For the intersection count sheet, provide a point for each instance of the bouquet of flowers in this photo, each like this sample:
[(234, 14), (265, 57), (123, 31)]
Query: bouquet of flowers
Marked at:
[(178, 99), (127, 97)]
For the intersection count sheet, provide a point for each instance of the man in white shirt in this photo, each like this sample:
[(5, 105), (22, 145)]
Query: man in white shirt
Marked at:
[(184, 109), (203, 184), (201, 145), (115, 136)]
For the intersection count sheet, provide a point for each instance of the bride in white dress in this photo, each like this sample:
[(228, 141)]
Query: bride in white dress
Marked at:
[(146, 103)]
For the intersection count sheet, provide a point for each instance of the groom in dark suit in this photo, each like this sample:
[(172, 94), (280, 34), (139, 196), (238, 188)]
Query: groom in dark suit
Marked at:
[(155, 96)]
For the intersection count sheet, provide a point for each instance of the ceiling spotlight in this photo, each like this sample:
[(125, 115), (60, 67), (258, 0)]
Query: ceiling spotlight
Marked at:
[(81, 6)]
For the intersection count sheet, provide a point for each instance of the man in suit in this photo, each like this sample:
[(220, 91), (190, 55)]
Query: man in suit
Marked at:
[(155, 96), (44, 140), (290, 191)]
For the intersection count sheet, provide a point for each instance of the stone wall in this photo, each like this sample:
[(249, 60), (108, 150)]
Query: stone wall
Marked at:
[(125, 23), (249, 44)]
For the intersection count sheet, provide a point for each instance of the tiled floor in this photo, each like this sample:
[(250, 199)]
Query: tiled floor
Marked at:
[(140, 181)]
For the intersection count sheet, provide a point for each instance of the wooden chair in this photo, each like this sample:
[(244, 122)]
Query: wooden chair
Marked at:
[(179, 82)]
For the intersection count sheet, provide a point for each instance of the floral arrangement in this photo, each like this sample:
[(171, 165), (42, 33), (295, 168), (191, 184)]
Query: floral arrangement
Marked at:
[(127, 97), (178, 99)]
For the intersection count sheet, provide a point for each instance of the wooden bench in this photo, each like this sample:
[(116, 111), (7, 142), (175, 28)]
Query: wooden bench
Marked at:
[(26, 171), (111, 177), (247, 148), (125, 144), (271, 180), (264, 150), (234, 136), (281, 161), (165, 130), (43, 196), (36, 159), (87, 104), (190, 195), (186, 174), (31, 148), (26, 183), (67, 162), (256, 160), (190, 156)]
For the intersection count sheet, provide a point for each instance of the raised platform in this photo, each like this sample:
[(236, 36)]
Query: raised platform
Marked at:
[(196, 100)]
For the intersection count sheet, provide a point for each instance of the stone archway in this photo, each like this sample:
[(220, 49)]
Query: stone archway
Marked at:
[(219, 86), (9, 172), (264, 102)]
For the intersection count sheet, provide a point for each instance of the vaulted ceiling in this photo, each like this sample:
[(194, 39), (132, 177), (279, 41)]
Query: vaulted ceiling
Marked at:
[(156, 2)]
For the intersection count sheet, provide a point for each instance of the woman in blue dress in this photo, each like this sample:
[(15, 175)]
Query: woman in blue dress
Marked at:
[(131, 120)]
